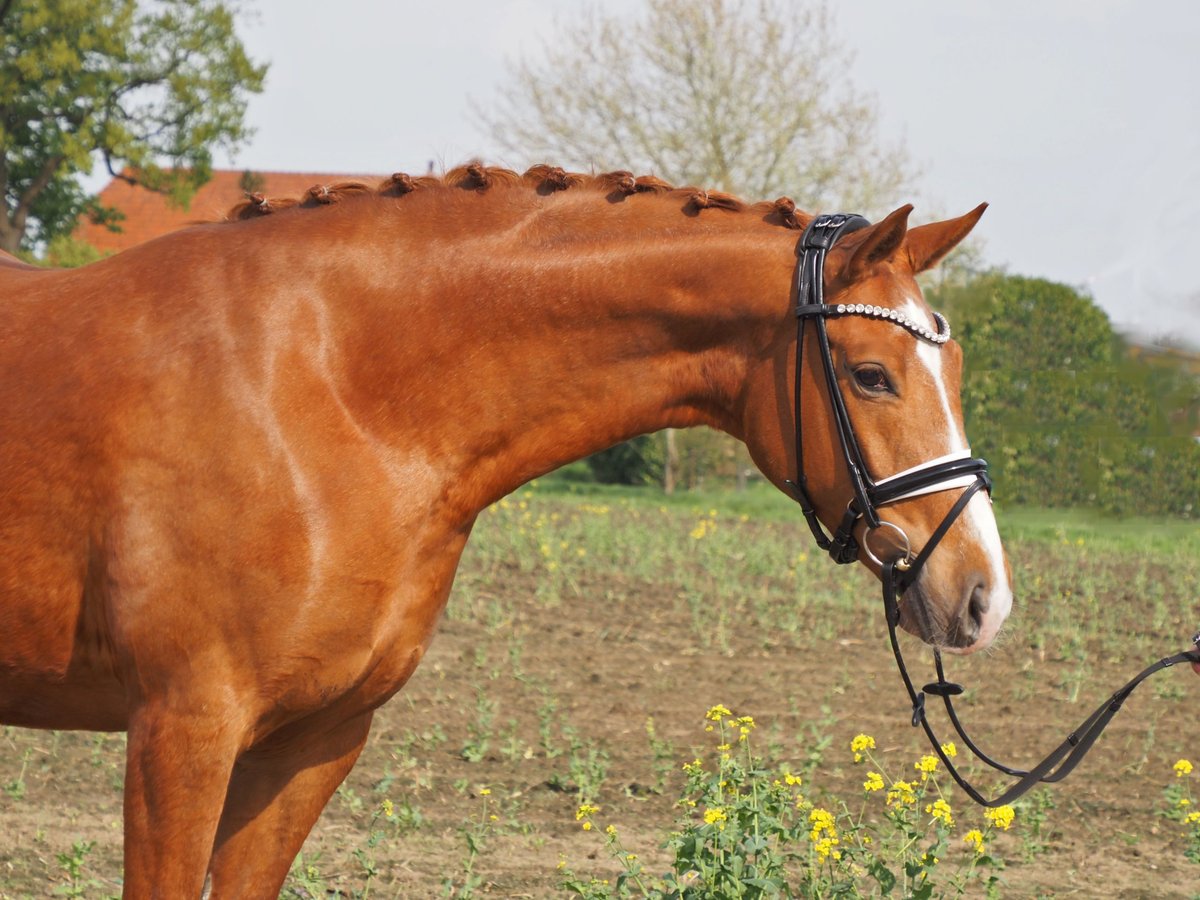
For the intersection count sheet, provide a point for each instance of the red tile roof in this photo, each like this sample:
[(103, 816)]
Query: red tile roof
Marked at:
[(150, 215)]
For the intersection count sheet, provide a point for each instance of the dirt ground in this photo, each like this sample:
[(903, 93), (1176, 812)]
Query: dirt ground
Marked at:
[(525, 698)]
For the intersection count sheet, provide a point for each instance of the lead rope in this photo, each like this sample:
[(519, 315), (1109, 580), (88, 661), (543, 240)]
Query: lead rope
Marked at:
[(1066, 756)]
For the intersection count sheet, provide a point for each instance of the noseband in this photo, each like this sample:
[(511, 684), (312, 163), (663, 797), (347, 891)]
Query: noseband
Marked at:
[(958, 470)]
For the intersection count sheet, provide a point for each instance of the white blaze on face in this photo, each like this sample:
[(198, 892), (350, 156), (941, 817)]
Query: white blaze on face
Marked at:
[(978, 516)]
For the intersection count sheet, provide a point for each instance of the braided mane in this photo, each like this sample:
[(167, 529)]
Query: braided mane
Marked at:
[(541, 178)]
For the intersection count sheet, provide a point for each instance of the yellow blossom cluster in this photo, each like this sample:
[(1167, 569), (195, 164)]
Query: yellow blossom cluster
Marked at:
[(824, 834), (860, 743), (974, 836), (1183, 768), (745, 725), (950, 750), (1001, 816), (926, 765), (940, 809), (717, 713), (585, 812), (874, 782), (901, 793)]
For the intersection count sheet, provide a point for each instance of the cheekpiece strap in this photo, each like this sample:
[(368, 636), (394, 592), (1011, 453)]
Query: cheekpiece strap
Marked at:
[(821, 234)]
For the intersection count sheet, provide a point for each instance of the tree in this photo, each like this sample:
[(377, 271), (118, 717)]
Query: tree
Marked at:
[(151, 88), (748, 96)]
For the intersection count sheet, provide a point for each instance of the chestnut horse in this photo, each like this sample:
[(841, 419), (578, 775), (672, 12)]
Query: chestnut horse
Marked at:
[(240, 462)]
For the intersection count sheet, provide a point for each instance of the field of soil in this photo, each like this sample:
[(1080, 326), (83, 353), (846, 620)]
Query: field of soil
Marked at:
[(584, 642)]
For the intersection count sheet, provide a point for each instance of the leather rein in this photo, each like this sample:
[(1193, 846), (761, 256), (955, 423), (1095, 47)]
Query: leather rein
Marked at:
[(952, 472)]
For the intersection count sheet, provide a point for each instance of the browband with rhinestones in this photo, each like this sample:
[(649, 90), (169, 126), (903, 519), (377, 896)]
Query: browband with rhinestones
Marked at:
[(894, 315)]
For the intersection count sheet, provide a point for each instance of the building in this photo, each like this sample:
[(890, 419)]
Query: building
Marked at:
[(149, 214)]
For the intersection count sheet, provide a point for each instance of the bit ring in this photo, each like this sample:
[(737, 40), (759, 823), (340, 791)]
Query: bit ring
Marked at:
[(904, 563)]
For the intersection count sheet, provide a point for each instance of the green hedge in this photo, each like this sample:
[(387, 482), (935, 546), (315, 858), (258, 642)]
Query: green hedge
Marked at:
[(1061, 410)]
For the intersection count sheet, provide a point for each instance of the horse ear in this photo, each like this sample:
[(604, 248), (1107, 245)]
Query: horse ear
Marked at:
[(928, 244), (882, 241)]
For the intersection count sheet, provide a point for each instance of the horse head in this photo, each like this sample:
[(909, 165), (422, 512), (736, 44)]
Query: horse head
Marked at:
[(895, 377)]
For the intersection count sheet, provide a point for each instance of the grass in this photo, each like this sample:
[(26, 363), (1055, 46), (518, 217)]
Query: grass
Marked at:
[(762, 502)]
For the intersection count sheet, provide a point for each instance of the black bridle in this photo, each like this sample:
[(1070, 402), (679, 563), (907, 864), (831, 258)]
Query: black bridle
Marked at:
[(868, 495)]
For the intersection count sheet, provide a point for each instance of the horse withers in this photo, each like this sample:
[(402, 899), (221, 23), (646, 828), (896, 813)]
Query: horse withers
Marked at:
[(240, 462)]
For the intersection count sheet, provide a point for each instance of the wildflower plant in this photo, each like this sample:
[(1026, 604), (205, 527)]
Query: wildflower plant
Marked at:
[(1182, 807), (747, 830)]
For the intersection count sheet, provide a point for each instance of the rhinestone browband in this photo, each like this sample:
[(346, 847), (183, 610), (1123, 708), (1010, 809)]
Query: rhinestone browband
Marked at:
[(894, 315)]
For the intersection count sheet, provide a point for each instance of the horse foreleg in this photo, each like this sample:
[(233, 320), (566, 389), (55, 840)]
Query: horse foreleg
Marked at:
[(176, 775), (275, 797)]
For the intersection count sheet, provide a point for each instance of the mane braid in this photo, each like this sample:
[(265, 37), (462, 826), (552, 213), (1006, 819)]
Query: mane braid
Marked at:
[(542, 178)]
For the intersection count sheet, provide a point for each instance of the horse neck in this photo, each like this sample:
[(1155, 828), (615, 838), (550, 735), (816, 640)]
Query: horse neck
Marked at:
[(503, 355)]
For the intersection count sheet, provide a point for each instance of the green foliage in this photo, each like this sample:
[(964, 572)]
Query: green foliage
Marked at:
[(1064, 415), (152, 86), (67, 252), (639, 461)]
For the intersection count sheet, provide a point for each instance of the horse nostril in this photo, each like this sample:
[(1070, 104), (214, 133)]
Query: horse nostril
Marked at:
[(977, 607)]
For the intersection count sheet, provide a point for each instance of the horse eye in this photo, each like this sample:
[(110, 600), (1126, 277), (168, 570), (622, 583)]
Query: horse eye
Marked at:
[(872, 378)]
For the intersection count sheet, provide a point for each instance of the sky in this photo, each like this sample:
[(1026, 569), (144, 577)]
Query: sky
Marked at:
[(1077, 120)]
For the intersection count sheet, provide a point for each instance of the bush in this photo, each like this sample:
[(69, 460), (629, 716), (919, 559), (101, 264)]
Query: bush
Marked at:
[(638, 461), (1066, 417)]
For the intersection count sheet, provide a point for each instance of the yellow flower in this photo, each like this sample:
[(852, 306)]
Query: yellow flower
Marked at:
[(1001, 816), (745, 725), (825, 848), (1183, 767), (1184, 801), (974, 836), (822, 821), (714, 815), (860, 743), (585, 810), (717, 713), (901, 793), (926, 765), (792, 779), (611, 830), (587, 826), (940, 809), (874, 782), (485, 792), (949, 749), (1192, 818), (694, 767), (388, 810)]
